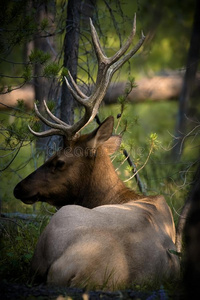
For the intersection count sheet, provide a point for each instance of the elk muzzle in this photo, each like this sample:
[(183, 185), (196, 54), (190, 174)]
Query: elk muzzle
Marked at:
[(24, 195)]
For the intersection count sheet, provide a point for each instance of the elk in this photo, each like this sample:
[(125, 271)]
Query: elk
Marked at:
[(104, 234)]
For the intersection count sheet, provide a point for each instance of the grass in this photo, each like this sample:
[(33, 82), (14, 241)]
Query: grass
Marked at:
[(18, 240)]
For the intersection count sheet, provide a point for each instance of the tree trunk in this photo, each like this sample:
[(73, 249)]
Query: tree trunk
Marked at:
[(75, 9), (188, 84), (191, 260), (41, 84), (71, 45)]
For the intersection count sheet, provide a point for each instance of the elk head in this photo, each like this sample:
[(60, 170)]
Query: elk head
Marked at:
[(75, 172), (66, 177)]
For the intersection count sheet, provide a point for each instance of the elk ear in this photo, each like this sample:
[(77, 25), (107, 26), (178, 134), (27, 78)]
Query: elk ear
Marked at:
[(100, 135), (113, 144)]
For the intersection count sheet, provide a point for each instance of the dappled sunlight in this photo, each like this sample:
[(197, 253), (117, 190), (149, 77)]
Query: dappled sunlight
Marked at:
[(113, 206), (79, 259)]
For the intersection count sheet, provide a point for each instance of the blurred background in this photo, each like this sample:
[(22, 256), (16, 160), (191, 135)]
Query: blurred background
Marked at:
[(154, 98)]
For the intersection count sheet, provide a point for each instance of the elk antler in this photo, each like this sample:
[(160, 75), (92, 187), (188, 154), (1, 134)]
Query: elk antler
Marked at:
[(106, 68)]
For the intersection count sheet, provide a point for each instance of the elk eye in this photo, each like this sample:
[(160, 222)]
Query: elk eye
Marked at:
[(60, 164)]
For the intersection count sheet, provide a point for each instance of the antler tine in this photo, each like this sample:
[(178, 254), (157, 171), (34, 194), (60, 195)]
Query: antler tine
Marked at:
[(79, 92), (54, 118), (46, 133), (49, 123), (57, 129), (75, 94), (126, 45), (126, 57), (96, 42)]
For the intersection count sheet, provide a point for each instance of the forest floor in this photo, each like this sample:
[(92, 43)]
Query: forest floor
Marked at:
[(15, 291)]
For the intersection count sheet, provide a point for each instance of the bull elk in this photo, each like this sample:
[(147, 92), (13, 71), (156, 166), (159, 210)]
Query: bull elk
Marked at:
[(105, 234)]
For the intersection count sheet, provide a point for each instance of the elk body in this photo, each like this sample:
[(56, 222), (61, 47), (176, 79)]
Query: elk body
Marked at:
[(105, 235)]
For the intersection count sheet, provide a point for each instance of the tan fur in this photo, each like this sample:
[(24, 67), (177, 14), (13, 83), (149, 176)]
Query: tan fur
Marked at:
[(113, 244)]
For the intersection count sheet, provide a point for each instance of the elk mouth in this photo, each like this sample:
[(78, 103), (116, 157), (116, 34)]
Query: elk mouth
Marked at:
[(30, 200), (27, 200), (25, 196)]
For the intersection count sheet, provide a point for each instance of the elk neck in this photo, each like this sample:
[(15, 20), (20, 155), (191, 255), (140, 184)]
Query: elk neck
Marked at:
[(105, 186)]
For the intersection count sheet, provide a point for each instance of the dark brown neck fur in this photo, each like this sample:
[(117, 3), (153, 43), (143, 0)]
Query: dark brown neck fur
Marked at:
[(105, 185)]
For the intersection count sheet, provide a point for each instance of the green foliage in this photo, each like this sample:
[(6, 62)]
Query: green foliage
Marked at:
[(39, 56), (18, 240), (64, 72), (51, 70), (162, 49), (44, 24), (17, 132), (51, 105), (9, 88), (20, 23), (17, 153), (154, 142), (123, 99), (14, 22), (27, 74)]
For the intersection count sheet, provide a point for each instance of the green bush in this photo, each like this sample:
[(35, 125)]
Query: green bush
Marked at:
[(18, 240)]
